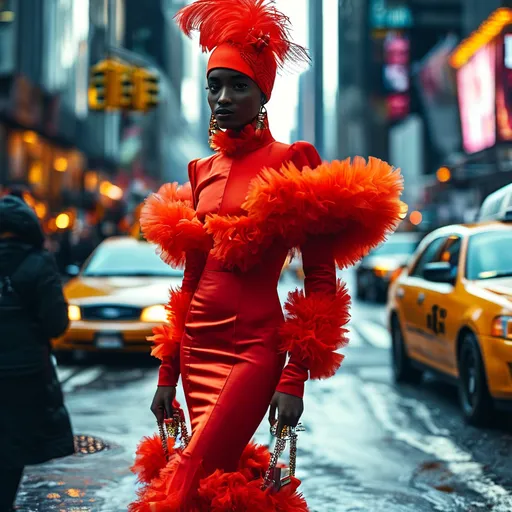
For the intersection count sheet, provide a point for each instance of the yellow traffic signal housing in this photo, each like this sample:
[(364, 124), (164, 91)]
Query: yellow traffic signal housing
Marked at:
[(97, 93), (145, 89), (126, 89), (111, 86)]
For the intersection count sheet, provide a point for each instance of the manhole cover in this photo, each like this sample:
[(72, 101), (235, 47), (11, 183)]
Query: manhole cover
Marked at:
[(85, 445)]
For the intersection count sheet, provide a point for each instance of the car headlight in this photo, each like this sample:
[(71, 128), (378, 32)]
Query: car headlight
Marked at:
[(382, 271), (154, 314), (74, 313), (502, 327)]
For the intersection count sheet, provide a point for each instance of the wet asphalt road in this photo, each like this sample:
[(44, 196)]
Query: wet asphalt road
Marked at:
[(369, 445)]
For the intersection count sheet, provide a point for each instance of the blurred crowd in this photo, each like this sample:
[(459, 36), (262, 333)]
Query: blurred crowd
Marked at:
[(72, 243)]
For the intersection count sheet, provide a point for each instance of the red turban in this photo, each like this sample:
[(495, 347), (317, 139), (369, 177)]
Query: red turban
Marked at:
[(249, 36)]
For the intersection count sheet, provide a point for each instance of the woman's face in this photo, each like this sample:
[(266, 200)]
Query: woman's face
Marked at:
[(234, 98)]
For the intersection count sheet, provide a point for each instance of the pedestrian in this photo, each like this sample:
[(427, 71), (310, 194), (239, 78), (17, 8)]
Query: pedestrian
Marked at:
[(34, 423), (246, 207)]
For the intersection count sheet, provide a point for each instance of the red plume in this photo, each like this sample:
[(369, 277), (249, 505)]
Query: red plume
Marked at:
[(253, 25)]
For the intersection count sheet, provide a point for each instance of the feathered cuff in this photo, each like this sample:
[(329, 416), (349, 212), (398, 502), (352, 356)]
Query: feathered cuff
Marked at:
[(315, 329), (167, 337), (168, 220), (355, 202)]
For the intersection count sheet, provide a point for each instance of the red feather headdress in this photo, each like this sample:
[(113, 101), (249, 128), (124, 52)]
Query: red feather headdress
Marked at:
[(253, 29)]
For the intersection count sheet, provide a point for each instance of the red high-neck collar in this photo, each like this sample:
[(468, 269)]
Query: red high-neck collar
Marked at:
[(236, 143)]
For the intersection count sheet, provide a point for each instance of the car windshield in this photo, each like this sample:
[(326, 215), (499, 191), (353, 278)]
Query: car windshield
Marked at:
[(122, 259), (489, 255), (392, 247)]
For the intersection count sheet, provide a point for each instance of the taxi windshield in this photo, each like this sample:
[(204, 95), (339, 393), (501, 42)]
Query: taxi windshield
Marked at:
[(395, 247), (489, 255), (138, 260)]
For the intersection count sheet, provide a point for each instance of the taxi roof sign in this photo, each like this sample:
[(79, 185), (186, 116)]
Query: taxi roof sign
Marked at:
[(497, 206)]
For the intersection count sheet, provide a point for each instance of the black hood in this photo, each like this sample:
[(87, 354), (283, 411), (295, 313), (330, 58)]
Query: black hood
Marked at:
[(18, 218)]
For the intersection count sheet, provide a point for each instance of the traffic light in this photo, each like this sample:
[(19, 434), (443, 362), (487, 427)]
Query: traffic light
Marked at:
[(145, 89), (97, 93), (126, 89), (115, 85), (111, 86)]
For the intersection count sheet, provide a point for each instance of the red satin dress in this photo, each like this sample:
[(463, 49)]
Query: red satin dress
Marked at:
[(229, 359)]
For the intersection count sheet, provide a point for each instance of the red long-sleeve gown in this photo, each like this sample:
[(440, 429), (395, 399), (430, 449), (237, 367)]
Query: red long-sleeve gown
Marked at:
[(231, 341)]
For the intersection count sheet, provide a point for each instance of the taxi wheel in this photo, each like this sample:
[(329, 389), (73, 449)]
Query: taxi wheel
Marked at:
[(403, 370), (474, 396)]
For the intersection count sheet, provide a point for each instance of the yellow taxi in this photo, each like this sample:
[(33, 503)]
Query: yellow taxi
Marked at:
[(116, 299), (450, 310)]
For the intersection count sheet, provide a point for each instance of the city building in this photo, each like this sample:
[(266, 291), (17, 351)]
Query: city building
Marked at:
[(43, 98)]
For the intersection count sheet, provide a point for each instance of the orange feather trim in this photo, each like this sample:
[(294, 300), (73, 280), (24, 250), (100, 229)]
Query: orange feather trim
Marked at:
[(239, 491), (167, 337), (168, 220), (254, 26), (356, 202), (237, 240), (232, 492), (150, 458), (254, 461), (346, 199), (156, 497), (315, 329)]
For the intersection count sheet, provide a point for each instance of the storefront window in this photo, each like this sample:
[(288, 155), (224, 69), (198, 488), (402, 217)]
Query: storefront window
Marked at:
[(53, 174)]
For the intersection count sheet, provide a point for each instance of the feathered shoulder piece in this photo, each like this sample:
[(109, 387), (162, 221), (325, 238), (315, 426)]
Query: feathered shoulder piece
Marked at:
[(356, 203), (169, 220), (252, 25)]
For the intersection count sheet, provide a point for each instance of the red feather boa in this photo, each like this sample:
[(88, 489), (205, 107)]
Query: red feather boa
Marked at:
[(168, 219), (314, 329), (167, 337)]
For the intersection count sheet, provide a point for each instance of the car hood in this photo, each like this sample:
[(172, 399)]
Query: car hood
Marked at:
[(134, 291), (387, 262), (501, 286)]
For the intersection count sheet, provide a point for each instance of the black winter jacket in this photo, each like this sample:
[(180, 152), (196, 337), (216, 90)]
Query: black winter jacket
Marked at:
[(34, 423)]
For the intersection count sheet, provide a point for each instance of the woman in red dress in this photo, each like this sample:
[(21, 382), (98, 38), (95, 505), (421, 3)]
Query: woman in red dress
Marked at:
[(245, 209)]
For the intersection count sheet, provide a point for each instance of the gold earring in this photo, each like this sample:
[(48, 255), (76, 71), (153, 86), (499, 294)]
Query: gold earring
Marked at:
[(213, 129), (262, 118)]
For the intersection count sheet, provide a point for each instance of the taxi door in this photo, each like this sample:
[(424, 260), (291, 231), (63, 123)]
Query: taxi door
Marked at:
[(441, 312), (410, 297)]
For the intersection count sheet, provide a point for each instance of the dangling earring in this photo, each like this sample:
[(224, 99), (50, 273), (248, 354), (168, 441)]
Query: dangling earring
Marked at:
[(212, 130), (262, 119)]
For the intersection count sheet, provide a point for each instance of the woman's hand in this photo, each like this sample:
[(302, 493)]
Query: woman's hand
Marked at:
[(290, 409), (161, 406)]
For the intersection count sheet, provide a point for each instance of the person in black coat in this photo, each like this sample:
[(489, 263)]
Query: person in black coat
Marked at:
[(34, 423)]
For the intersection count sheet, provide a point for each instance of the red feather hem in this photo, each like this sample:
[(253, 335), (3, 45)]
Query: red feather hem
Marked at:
[(167, 337), (239, 491), (150, 458), (314, 329), (355, 202), (168, 220)]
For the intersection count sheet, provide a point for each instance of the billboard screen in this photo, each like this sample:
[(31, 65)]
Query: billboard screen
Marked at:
[(438, 92), (477, 94), (504, 89), (396, 72)]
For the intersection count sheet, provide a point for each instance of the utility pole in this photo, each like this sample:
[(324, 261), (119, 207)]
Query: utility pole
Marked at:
[(316, 44), (112, 119), (112, 23)]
